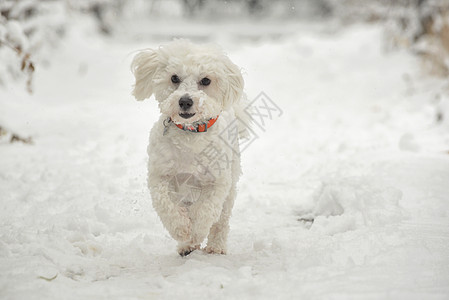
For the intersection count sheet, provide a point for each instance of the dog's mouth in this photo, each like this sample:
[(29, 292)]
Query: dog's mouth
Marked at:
[(186, 115)]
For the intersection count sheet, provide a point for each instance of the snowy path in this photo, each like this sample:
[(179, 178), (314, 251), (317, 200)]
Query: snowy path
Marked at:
[(358, 147)]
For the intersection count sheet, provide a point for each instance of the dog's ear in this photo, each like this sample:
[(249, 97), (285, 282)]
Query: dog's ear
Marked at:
[(235, 82), (144, 66)]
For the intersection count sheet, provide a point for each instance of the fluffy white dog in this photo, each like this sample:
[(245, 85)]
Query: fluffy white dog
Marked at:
[(194, 156)]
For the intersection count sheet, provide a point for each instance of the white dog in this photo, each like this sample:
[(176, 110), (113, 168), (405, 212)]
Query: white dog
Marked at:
[(194, 156)]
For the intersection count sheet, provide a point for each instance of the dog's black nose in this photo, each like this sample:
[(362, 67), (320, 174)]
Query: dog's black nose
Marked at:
[(185, 102)]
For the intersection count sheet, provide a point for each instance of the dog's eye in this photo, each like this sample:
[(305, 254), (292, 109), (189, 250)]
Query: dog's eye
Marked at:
[(175, 79), (205, 81)]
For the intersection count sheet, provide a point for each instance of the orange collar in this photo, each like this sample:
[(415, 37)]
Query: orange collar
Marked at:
[(197, 126)]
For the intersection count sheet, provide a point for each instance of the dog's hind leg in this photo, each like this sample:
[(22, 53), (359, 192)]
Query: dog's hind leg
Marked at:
[(206, 212), (218, 235)]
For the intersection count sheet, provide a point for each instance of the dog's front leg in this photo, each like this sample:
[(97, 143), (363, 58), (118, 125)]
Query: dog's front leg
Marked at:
[(175, 218)]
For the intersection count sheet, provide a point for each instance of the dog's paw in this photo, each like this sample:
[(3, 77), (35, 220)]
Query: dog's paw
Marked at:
[(185, 250), (214, 250)]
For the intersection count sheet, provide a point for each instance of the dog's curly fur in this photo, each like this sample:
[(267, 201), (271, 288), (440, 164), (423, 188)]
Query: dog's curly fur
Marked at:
[(192, 176)]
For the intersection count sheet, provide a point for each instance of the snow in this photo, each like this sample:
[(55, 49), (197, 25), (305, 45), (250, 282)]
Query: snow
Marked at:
[(355, 145)]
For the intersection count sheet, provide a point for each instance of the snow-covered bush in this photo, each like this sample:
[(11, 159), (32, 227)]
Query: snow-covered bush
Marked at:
[(420, 25), (14, 53), (26, 27), (423, 26)]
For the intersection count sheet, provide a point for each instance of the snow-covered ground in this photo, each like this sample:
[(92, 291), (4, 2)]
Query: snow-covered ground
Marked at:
[(358, 147)]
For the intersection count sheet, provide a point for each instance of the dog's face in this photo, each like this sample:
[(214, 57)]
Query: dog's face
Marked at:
[(191, 82)]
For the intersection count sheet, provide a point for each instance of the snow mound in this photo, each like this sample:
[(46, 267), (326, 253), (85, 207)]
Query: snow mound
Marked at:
[(352, 203)]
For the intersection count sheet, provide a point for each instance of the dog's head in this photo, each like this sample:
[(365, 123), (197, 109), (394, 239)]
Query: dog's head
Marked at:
[(191, 82)]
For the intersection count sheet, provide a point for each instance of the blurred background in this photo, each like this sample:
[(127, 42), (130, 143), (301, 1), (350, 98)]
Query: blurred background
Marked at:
[(31, 30)]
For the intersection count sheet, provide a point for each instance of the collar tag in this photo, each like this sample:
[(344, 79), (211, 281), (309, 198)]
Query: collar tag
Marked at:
[(166, 125)]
